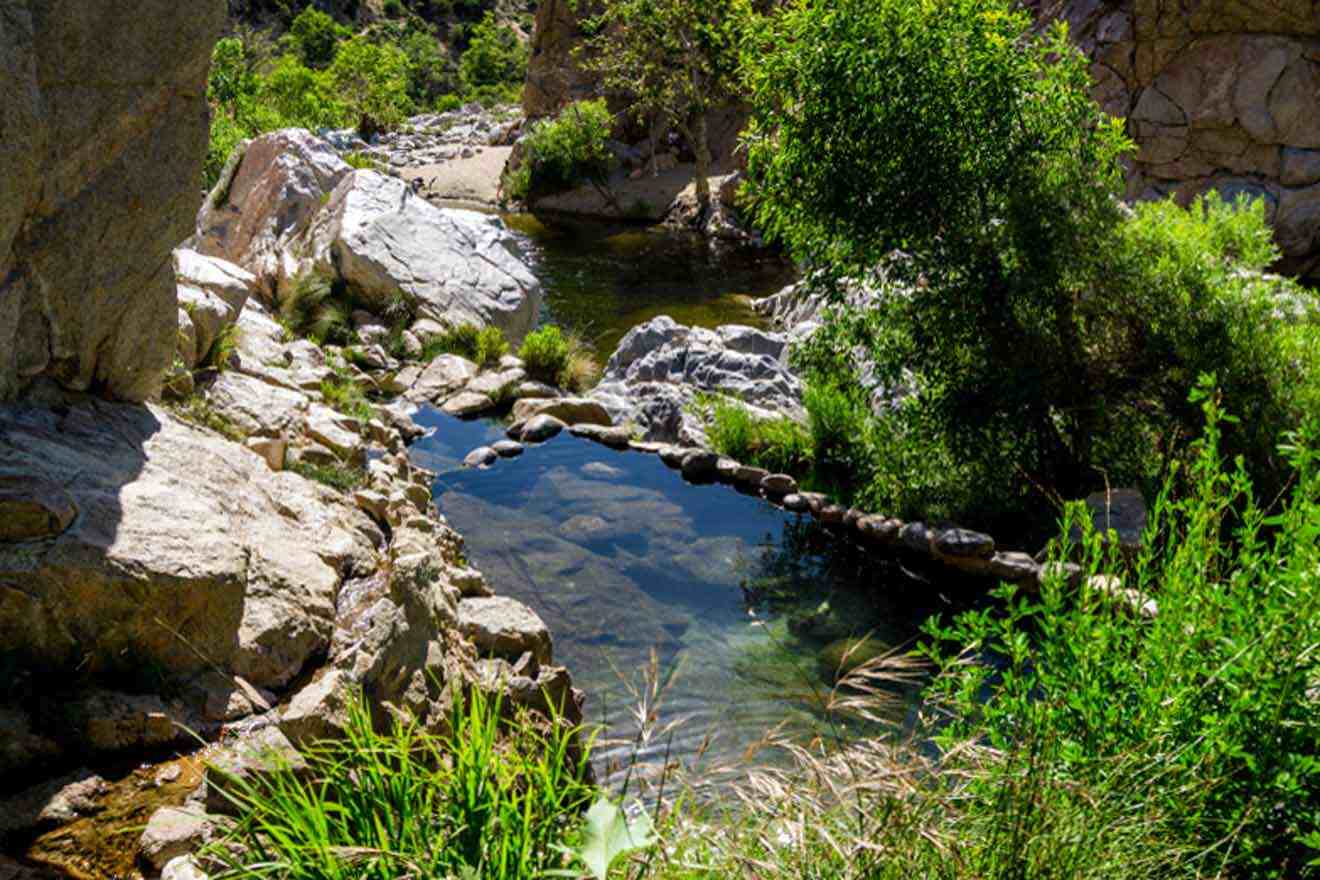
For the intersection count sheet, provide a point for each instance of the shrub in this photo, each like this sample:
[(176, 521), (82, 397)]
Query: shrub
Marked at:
[(372, 80), (495, 56), (559, 153), (486, 799), (780, 445), (314, 36), (551, 356), (447, 103), (316, 307), (484, 346)]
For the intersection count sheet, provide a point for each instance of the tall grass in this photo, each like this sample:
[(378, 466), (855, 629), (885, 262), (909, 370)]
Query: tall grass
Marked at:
[(487, 800), (484, 346), (560, 358), (316, 307), (780, 444)]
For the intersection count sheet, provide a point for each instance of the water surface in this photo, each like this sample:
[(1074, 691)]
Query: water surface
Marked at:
[(602, 279), (622, 558)]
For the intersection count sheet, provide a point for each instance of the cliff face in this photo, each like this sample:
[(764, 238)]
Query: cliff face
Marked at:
[(103, 126), (1221, 94)]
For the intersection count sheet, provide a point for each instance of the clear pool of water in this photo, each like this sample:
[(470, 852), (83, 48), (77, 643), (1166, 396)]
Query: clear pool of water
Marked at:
[(625, 561), (601, 280)]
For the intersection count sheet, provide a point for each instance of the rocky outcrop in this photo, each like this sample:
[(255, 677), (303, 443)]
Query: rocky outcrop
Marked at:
[(265, 202), (660, 367), (554, 77), (450, 266), (289, 205), (189, 559), (104, 120), (1219, 94)]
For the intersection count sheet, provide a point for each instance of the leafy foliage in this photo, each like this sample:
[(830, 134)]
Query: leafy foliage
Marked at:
[(372, 80), (676, 59), (495, 56), (562, 152), (551, 356)]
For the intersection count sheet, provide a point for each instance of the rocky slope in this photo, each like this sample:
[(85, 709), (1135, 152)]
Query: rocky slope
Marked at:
[(103, 109)]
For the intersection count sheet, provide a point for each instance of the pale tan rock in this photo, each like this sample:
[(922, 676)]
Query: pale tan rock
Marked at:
[(569, 410), (105, 125)]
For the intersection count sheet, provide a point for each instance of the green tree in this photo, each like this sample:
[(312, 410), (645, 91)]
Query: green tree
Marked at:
[(955, 133), (314, 36), (372, 81), (676, 60), (495, 56)]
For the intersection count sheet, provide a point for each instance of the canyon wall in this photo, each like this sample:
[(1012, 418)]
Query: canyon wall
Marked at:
[(103, 127), (1219, 94)]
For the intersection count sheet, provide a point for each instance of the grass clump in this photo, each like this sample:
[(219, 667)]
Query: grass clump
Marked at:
[(222, 350), (197, 410), (317, 307), (344, 395), (560, 153), (484, 346), (340, 477), (557, 358), (780, 445), (489, 800)]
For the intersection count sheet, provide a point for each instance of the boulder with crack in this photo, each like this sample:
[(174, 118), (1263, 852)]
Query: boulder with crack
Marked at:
[(661, 366)]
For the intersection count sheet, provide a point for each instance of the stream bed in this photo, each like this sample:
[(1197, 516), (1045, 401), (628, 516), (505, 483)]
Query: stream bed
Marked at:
[(744, 605)]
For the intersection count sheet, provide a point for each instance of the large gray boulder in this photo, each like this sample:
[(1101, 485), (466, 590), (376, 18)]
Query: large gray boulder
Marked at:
[(103, 127), (266, 201), (451, 266), (661, 366)]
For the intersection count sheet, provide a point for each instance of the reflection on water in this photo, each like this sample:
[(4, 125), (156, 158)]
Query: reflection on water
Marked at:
[(738, 599), (604, 279)]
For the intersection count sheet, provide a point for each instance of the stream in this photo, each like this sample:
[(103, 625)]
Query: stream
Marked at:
[(742, 607)]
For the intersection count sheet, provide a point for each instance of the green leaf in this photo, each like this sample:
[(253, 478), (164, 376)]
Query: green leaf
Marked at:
[(609, 833)]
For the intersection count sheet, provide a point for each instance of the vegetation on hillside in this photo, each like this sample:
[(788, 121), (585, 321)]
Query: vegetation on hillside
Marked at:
[(560, 153), (311, 71)]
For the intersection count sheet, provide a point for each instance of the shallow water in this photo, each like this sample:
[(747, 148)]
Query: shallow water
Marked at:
[(622, 558), (602, 280)]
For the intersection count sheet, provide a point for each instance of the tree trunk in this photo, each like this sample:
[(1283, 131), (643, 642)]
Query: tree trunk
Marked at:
[(702, 150)]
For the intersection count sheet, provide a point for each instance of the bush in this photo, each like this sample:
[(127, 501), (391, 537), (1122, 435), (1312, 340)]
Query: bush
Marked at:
[(487, 799), (484, 346), (317, 307), (551, 356), (1047, 339), (559, 153), (447, 103), (780, 445), (343, 394), (372, 80), (495, 56), (313, 36)]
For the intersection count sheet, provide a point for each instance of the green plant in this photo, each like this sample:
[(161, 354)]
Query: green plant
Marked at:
[(495, 56), (341, 477), (676, 59), (197, 410), (780, 445), (314, 35), (361, 161), (344, 395), (1210, 695), (561, 152), (486, 800), (222, 349), (447, 103), (551, 356), (316, 306), (609, 834), (484, 346), (372, 80)]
